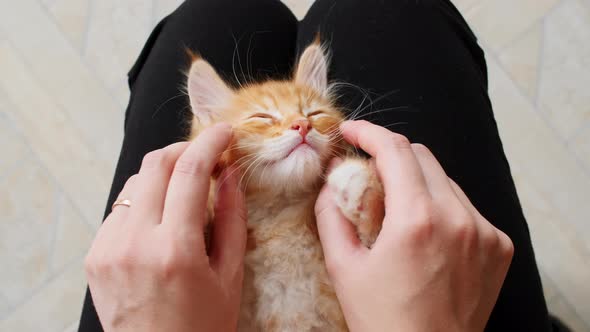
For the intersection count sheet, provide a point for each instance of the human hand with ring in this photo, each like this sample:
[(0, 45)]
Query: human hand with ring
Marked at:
[(148, 268)]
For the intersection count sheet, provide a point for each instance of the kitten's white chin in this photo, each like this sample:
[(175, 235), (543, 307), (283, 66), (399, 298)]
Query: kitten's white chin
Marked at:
[(300, 169)]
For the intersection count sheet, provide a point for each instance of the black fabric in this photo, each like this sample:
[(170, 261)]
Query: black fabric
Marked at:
[(412, 66)]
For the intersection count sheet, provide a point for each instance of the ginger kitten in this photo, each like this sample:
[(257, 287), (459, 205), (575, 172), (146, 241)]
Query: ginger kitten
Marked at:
[(285, 133)]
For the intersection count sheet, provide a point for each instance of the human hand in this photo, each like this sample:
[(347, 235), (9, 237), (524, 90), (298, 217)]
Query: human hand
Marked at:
[(437, 264), (148, 268)]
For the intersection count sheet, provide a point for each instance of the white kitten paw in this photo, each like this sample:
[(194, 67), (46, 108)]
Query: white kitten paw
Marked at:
[(359, 195), (350, 181)]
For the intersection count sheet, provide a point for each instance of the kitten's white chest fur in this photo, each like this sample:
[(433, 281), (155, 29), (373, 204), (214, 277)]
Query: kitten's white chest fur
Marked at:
[(286, 287)]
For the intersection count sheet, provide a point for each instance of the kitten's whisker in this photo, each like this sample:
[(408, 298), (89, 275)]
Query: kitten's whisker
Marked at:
[(385, 110), (353, 115), (235, 52), (334, 131), (238, 167), (245, 159), (334, 127), (332, 89), (262, 174), (338, 122), (396, 124), (240, 62), (253, 165), (358, 109), (165, 102), (241, 146), (248, 169)]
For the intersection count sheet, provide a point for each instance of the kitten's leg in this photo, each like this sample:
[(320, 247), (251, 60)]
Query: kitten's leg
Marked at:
[(359, 195)]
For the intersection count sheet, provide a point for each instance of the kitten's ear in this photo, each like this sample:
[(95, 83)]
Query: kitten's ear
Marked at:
[(312, 69), (207, 91)]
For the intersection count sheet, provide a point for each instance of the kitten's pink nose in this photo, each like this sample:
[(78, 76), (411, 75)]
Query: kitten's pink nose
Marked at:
[(301, 125)]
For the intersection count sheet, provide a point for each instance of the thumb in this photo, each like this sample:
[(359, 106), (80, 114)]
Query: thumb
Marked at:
[(229, 226), (337, 235)]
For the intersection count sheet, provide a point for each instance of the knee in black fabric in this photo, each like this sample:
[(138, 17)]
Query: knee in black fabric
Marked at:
[(134, 71), (213, 8)]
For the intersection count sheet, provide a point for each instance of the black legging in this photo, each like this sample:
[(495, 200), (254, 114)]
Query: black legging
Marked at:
[(413, 66)]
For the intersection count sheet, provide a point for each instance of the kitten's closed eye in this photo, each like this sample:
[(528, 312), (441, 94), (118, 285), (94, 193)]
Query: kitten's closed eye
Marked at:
[(314, 113), (261, 116)]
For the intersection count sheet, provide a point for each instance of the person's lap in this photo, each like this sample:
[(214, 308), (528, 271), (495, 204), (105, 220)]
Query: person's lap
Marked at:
[(239, 38), (422, 66), (416, 68)]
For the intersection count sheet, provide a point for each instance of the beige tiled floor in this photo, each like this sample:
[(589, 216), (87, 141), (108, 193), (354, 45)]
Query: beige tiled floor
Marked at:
[(63, 92)]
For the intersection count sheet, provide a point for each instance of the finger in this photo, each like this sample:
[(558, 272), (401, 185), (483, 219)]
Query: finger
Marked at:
[(115, 223), (397, 166), (484, 228), (188, 190), (464, 199), (436, 179), (337, 235), (152, 183), (120, 212), (506, 244), (229, 227), (487, 229)]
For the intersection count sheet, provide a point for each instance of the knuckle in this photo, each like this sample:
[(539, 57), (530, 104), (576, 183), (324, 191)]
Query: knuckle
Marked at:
[(466, 233), (423, 218), (400, 141), (128, 187), (165, 268), (421, 230), (509, 251), (130, 181), (175, 146), (492, 241), (99, 266), (168, 267), (123, 262), (152, 159), (191, 167), (507, 246), (465, 227), (125, 258), (171, 262), (420, 148), (90, 264), (157, 158)]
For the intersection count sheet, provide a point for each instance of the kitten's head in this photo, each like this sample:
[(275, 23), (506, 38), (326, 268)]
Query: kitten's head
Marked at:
[(285, 132)]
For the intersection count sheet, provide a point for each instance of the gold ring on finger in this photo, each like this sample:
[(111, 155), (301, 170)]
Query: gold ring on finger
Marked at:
[(123, 202)]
